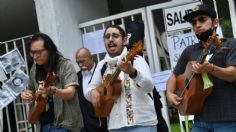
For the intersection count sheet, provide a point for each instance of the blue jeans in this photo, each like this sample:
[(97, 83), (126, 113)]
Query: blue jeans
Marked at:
[(136, 129), (228, 126), (51, 128)]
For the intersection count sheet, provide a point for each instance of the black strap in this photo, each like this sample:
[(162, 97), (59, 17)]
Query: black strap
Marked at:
[(149, 94), (104, 67), (92, 73)]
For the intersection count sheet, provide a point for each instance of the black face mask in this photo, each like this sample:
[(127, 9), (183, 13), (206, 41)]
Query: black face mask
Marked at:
[(204, 36)]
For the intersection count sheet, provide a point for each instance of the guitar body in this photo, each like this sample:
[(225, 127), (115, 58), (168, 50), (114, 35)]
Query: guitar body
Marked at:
[(38, 105), (193, 95), (36, 108), (108, 95)]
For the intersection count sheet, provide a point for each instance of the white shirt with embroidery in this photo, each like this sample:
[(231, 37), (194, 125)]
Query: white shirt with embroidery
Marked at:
[(134, 106)]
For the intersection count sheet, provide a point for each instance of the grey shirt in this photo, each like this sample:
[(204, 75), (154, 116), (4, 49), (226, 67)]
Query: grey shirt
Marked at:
[(67, 113)]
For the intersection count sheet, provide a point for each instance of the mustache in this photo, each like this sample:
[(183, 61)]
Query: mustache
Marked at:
[(83, 67)]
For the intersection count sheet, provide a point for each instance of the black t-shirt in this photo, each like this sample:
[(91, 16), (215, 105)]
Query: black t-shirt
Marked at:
[(48, 115)]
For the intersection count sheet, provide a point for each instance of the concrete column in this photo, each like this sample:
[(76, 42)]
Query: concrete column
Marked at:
[(60, 18)]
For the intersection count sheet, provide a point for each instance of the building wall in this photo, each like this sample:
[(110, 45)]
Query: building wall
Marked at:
[(17, 19), (60, 18)]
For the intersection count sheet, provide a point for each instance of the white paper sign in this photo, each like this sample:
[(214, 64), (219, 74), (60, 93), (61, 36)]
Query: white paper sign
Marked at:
[(94, 41), (160, 79), (12, 62), (173, 17), (176, 45)]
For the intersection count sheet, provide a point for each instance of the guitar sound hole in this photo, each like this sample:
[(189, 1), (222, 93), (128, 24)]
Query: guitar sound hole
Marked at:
[(105, 91)]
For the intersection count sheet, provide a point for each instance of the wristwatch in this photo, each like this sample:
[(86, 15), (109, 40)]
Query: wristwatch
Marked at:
[(134, 74)]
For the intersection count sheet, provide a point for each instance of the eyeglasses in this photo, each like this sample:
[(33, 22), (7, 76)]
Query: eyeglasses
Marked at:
[(114, 35), (201, 19), (36, 53)]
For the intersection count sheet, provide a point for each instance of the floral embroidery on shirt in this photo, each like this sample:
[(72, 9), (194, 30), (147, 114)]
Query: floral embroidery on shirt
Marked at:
[(128, 100)]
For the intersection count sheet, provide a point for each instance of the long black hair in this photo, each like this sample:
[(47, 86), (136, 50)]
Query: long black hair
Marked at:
[(53, 55)]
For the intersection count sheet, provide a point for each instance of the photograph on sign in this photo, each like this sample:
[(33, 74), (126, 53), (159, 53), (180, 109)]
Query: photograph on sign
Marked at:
[(2, 74), (11, 61), (5, 97), (173, 16), (17, 82)]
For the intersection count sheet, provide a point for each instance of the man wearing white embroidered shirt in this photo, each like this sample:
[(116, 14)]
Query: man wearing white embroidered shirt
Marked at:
[(134, 110)]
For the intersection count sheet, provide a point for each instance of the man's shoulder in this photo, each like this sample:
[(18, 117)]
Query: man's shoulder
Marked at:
[(64, 62), (228, 42), (63, 59), (101, 63)]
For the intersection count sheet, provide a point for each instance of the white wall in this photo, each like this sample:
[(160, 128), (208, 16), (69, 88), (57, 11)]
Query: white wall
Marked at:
[(60, 18)]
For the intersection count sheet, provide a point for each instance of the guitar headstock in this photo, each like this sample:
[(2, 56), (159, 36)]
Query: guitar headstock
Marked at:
[(51, 79), (137, 48)]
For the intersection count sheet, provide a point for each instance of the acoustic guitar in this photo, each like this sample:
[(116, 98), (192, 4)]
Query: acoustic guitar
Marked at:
[(190, 84), (38, 105), (110, 89)]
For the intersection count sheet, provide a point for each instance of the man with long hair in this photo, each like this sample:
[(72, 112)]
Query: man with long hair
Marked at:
[(62, 111)]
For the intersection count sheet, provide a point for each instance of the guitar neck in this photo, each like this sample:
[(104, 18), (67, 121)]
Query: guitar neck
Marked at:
[(202, 58), (137, 48), (115, 75)]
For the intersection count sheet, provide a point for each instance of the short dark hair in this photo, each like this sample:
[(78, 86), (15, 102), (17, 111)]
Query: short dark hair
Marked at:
[(54, 55), (122, 31)]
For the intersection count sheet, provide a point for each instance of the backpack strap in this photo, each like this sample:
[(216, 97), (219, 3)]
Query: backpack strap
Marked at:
[(149, 94), (104, 67)]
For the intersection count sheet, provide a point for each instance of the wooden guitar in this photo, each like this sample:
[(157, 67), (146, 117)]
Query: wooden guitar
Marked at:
[(111, 89), (38, 105), (190, 85)]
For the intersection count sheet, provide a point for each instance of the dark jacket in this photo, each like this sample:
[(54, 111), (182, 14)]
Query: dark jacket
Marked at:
[(91, 122)]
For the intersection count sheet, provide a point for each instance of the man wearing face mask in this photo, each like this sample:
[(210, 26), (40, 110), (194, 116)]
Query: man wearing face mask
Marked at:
[(218, 113), (87, 67)]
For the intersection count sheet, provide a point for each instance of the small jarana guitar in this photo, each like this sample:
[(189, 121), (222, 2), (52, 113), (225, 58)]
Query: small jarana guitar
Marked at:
[(38, 105)]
